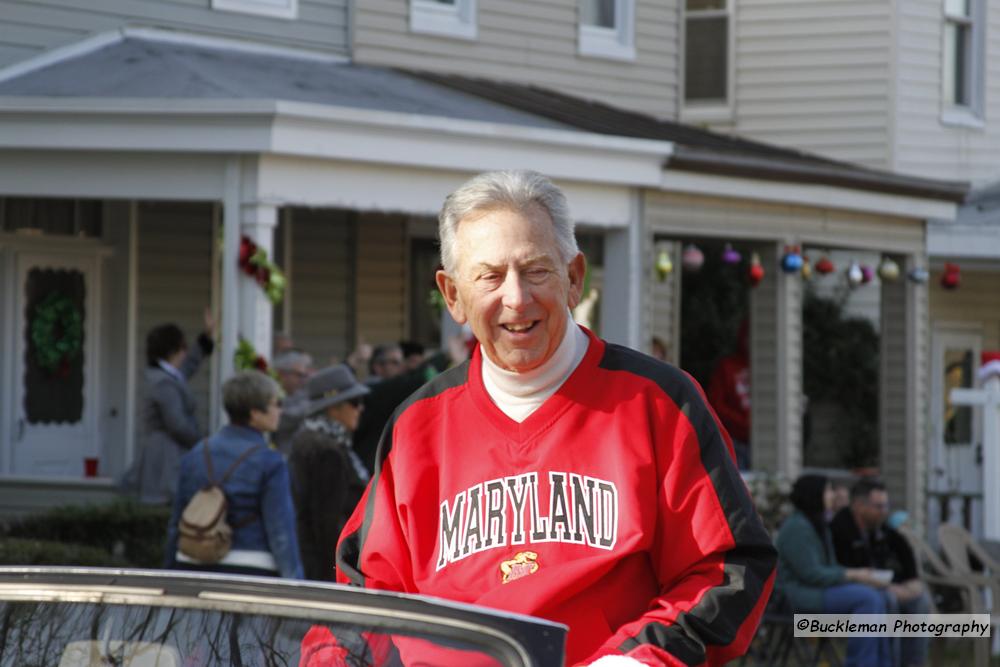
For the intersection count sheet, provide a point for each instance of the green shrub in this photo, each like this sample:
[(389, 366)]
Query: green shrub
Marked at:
[(127, 532), (19, 551)]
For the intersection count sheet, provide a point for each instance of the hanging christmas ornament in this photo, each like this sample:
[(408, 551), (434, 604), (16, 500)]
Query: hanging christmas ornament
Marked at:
[(730, 256), (756, 272), (663, 265), (918, 275), (824, 266), (888, 270), (807, 269), (867, 274), (951, 276), (693, 258), (791, 261), (854, 274)]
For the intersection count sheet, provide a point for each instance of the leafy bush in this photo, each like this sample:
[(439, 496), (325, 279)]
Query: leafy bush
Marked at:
[(19, 551), (126, 532)]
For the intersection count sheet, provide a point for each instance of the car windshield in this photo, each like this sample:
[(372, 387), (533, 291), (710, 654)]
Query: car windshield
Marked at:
[(68, 634)]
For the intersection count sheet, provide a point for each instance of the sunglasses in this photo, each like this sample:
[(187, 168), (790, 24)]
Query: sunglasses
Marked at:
[(356, 402)]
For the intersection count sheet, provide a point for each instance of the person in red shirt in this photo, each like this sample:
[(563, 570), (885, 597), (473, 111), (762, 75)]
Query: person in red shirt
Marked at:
[(729, 394), (555, 474)]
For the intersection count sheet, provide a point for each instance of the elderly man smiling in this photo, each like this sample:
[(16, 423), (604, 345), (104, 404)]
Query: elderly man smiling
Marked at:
[(555, 474)]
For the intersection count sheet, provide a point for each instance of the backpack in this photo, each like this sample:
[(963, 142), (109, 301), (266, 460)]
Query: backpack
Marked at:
[(204, 533)]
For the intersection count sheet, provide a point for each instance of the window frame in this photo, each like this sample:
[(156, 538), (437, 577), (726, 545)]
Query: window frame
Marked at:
[(710, 111), (288, 11), (617, 43), (434, 18), (970, 114)]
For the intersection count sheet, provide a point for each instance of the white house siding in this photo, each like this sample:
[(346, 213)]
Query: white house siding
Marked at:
[(30, 27), (533, 42), (975, 302), (381, 283), (322, 289), (815, 76), (664, 301), (174, 282), (924, 145)]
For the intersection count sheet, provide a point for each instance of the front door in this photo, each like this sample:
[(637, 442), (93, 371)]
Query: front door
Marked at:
[(955, 481), (55, 365)]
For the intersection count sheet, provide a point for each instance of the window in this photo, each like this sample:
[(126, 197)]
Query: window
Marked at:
[(607, 29), (283, 9), (962, 64), (707, 54), (449, 18)]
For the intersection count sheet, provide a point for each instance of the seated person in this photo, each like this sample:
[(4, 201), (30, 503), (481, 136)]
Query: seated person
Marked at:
[(861, 538), (812, 581)]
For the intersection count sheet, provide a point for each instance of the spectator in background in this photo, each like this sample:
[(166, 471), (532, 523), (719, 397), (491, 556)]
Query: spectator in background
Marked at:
[(169, 422), (658, 349), (386, 362), (813, 582), (841, 496), (294, 367), (729, 393), (862, 538), (282, 343), (328, 477), (413, 354), (258, 491)]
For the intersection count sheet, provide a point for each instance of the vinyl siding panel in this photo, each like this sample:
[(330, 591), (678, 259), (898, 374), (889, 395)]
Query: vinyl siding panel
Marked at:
[(924, 144), (175, 282), (536, 43), (381, 288), (815, 76), (665, 304), (976, 301), (321, 281), (733, 218), (30, 27)]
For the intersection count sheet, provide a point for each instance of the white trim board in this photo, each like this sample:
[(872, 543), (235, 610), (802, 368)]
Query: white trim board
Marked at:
[(323, 131), (818, 196)]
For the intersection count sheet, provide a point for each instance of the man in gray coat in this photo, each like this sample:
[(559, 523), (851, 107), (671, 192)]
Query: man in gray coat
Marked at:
[(169, 422)]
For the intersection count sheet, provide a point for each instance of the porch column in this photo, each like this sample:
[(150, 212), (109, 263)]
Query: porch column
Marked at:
[(776, 367), (664, 309), (903, 390), (258, 222), (626, 267)]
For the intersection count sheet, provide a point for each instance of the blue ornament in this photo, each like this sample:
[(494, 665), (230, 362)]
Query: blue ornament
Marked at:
[(791, 261)]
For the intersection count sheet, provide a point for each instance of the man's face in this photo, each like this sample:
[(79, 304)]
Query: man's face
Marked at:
[(390, 364), (511, 286), (292, 379), (874, 510)]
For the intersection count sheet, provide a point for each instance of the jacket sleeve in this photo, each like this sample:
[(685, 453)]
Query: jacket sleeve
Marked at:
[(170, 550), (179, 425), (278, 515), (800, 550), (386, 563), (712, 555), (196, 355)]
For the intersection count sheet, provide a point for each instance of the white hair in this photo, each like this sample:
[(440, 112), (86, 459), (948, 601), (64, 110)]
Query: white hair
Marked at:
[(515, 190)]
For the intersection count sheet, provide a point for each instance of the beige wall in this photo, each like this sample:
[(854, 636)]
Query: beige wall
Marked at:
[(533, 42)]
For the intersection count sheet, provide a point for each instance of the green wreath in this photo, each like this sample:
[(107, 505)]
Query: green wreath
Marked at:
[(56, 331)]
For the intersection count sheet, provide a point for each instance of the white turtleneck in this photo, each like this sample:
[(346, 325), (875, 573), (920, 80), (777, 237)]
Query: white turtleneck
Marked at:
[(520, 394)]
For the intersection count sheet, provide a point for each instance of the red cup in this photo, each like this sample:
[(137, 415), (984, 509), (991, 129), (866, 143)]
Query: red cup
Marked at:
[(90, 466)]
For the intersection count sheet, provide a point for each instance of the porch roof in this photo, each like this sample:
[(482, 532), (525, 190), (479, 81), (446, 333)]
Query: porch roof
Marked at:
[(137, 68), (701, 150)]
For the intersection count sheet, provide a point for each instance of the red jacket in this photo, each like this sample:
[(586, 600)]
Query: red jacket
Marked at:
[(615, 508)]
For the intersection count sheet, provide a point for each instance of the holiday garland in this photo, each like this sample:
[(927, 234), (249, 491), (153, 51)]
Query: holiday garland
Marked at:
[(57, 332), (254, 262)]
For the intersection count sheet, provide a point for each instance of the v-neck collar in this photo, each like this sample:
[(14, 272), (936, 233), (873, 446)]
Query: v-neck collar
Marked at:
[(547, 412)]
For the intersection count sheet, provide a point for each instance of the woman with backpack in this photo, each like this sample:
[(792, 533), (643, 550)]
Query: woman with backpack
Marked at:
[(233, 509)]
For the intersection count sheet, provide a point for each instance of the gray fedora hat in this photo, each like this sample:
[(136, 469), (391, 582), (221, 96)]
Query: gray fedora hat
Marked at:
[(330, 386)]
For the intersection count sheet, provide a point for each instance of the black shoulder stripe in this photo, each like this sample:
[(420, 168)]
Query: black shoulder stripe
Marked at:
[(349, 551), (719, 615)]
